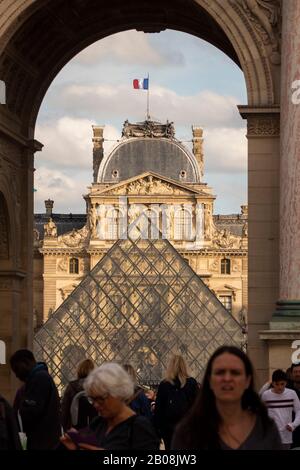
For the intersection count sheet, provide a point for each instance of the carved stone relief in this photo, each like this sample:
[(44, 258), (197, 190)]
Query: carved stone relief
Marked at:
[(224, 239), (62, 264), (50, 229), (4, 246), (265, 15), (74, 238), (263, 126), (146, 186), (214, 265)]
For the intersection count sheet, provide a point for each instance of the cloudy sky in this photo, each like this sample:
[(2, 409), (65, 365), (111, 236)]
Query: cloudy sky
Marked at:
[(191, 83)]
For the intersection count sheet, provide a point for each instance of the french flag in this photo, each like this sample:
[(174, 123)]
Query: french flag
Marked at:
[(141, 84)]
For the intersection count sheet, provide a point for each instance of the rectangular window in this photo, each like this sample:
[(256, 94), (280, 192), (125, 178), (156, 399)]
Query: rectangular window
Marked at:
[(226, 300)]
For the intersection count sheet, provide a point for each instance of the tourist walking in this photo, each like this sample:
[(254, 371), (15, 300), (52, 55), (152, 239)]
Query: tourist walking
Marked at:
[(228, 413)]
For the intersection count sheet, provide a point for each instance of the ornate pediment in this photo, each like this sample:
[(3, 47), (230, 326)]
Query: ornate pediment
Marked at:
[(149, 185)]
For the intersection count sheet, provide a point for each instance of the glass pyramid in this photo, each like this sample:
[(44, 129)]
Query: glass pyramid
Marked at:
[(138, 305)]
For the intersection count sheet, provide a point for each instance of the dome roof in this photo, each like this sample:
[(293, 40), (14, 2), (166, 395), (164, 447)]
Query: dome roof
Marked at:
[(165, 156)]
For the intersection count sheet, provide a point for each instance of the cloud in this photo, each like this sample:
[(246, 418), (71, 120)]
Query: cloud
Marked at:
[(107, 102), (131, 48), (63, 189), (225, 150), (68, 143), (230, 190)]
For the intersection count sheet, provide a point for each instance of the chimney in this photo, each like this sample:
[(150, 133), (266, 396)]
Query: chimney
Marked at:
[(49, 206), (198, 147), (97, 150)]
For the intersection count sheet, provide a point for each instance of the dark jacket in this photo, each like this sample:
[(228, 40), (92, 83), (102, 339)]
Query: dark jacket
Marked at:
[(140, 404), (72, 389), (40, 409), (166, 415), (9, 433)]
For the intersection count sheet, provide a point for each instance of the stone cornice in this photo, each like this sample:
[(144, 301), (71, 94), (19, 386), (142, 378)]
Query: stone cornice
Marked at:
[(63, 251), (261, 121)]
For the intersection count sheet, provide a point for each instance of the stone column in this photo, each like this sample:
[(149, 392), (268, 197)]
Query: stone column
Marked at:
[(263, 229), (288, 306)]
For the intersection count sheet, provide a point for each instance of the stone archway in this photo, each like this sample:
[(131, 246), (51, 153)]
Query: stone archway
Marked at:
[(38, 38)]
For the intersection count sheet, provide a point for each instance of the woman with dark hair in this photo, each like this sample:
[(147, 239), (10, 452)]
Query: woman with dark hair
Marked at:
[(228, 413)]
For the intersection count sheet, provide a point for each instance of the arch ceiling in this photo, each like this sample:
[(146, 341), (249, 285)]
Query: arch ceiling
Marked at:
[(47, 34)]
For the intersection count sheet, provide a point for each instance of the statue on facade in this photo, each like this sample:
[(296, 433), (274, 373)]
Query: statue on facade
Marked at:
[(245, 230), (224, 239), (170, 130), (50, 229), (126, 132), (93, 221), (207, 221)]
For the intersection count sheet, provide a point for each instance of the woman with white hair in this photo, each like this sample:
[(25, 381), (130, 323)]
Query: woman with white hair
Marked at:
[(109, 387)]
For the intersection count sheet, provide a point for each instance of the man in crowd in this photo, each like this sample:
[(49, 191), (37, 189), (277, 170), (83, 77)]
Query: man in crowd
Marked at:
[(39, 404)]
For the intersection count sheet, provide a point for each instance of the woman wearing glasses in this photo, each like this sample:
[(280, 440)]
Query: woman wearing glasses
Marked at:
[(116, 427)]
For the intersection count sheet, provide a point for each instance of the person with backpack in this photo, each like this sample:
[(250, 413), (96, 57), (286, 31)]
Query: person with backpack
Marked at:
[(39, 404), (75, 408), (139, 402), (175, 395)]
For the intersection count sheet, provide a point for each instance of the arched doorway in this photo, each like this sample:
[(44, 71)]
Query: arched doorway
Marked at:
[(38, 38)]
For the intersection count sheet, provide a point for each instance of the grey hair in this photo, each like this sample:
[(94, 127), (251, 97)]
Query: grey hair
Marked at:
[(109, 378)]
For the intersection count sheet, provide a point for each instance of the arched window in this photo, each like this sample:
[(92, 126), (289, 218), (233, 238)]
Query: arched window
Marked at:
[(225, 266), (182, 224), (113, 224), (74, 266)]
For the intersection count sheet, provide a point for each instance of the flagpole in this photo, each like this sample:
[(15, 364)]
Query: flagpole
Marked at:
[(148, 114)]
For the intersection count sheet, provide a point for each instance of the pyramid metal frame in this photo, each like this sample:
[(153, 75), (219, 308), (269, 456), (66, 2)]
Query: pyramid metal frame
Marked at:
[(139, 304)]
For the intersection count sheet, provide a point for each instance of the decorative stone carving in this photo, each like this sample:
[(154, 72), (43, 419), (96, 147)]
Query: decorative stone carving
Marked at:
[(245, 230), (75, 238), (4, 247), (36, 235), (235, 266), (72, 238), (145, 186), (93, 221), (50, 229), (265, 16), (148, 129), (214, 265), (208, 222), (224, 239), (263, 127), (62, 264)]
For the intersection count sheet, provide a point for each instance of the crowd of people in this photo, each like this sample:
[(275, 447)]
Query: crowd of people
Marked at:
[(106, 408)]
